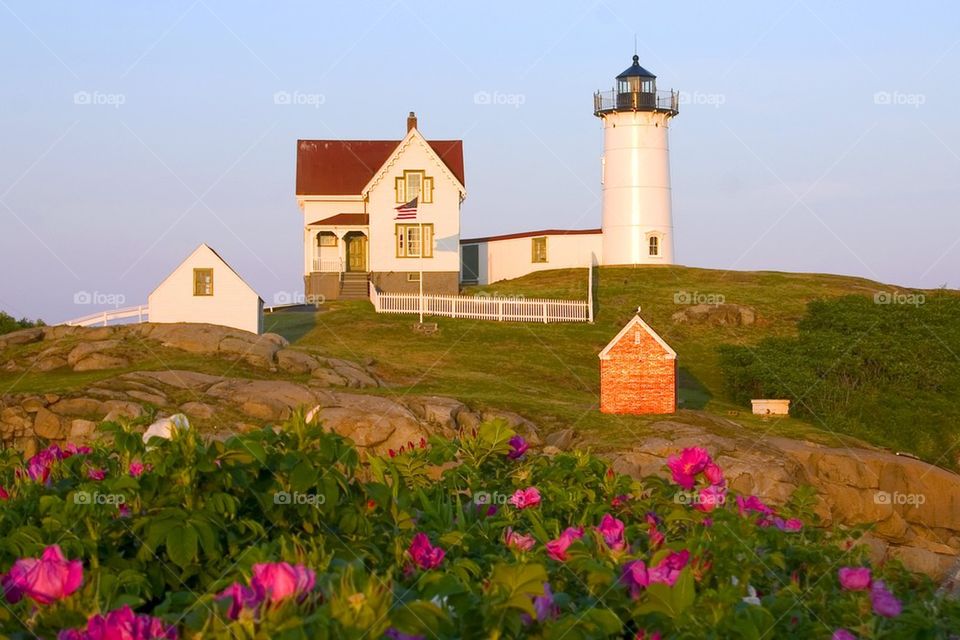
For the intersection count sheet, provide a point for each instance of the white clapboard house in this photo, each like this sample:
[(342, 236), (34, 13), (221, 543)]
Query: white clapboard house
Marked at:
[(204, 288), (365, 204)]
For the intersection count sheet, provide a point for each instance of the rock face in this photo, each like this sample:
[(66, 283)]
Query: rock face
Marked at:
[(911, 508)]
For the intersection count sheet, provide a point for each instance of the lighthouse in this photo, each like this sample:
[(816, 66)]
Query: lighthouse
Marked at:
[(635, 168)]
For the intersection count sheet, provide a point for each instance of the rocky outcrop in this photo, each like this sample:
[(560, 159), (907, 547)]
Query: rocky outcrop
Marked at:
[(911, 510), (121, 347)]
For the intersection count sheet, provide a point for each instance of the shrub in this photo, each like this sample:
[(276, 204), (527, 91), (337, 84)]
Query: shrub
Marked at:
[(288, 534), (885, 372)]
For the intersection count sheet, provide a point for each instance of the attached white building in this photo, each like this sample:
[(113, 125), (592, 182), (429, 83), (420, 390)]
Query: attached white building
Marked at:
[(204, 288), (349, 191), (495, 258)]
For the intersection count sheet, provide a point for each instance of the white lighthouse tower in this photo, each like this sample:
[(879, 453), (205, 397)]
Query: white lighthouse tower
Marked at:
[(635, 173)]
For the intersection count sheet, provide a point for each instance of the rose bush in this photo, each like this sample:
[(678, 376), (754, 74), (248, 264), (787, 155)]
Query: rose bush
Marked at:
[(287, 533)]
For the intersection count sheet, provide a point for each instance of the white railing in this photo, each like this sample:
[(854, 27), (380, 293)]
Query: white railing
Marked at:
[(483, 307), (330, 265), (103, 318)]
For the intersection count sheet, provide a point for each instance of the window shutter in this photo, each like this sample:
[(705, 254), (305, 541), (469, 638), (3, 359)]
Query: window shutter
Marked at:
[(398, 187), (428, 190), (428, 241)]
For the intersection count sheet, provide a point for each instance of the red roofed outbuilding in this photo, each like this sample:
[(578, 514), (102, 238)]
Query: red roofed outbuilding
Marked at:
[(638, 372)]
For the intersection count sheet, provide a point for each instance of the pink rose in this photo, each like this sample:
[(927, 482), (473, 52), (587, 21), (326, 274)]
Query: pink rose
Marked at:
[(3, 494), (557, 549), (714, 474), (517, 541), (842, 634), (121, 623), (854, 578), (524, 498), (752, 503), (45, 579), (635, 576), (612, 531), (687, 465), (668, 570), (711, 497), (136, 468), (280, 580), (424, 554), (96, 474), (241, 597)]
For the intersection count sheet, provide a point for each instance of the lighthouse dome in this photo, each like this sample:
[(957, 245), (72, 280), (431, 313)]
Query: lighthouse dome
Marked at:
[(635, 71)]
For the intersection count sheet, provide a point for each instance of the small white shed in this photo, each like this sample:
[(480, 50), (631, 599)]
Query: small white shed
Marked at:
[(204, 288)]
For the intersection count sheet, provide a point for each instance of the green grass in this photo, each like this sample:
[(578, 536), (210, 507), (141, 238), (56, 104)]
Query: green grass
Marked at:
[(550, 373)]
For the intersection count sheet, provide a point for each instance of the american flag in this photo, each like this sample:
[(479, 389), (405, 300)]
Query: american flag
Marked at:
[(407, 211)]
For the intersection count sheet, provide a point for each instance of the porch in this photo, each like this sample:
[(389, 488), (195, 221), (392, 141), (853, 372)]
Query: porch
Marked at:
[(339, 258)]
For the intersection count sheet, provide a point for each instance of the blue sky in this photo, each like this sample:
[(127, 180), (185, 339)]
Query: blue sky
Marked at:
[(816, 136)]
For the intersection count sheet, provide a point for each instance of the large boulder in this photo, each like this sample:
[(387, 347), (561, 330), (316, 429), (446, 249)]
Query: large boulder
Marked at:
[(271, 400), (372, 422), (48, 425), (85, 349)]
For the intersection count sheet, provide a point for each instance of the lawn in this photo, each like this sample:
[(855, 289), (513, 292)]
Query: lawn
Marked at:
[(550, 373)]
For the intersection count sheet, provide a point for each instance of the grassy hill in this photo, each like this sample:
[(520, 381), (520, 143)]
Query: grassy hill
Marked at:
[(550, 372)]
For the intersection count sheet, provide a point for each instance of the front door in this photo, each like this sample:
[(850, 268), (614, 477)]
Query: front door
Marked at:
[(356, 253)]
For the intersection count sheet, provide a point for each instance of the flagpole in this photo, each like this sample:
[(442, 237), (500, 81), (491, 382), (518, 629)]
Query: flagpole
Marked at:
[(420, 220)]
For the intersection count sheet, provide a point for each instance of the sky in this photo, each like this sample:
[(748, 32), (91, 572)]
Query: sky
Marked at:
[(812, 136)]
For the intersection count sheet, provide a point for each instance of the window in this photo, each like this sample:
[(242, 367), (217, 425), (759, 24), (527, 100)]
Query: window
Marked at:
[(654, 246), (538, 250), (413, 277), (408, 240), (326, 239), (203, 282), (413, 184)]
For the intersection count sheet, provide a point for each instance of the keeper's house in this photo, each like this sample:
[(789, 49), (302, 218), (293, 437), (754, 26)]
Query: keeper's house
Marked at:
[(349, 192)]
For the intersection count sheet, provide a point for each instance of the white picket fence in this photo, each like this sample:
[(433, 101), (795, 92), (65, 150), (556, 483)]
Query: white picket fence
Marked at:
[(103, 318), (483, 307)]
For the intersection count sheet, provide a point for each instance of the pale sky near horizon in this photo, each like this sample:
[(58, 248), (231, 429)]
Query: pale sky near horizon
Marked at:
[(814, 136)]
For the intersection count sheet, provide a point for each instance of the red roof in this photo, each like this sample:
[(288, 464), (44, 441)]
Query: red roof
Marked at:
[(344, 167), (533, 234), (345, 220)]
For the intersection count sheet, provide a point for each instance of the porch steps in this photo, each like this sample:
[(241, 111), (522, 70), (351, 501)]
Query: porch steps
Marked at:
[(354, 286)]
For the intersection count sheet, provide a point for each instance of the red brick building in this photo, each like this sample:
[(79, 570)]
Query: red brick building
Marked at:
[(638, 372)]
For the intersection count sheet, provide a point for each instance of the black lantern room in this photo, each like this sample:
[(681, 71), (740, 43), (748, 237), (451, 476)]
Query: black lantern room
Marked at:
[(635, 90)]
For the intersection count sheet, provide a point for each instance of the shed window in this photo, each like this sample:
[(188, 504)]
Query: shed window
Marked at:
[(538, 250), (203, 282)]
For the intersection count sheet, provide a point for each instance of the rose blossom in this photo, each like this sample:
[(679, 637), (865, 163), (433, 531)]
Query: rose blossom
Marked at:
[(45, 579), (557, 549), (884, 602), (854, 578), (518, 541), (518, 447), (121, 623), (687, 465), (524, 498), (612, 531), (424, 554)]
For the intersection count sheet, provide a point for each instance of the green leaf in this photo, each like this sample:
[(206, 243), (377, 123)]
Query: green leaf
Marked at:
[(303, 477), (182, 545)]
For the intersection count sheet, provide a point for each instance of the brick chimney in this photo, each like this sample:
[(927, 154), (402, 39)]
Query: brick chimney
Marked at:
[(411, 121)]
